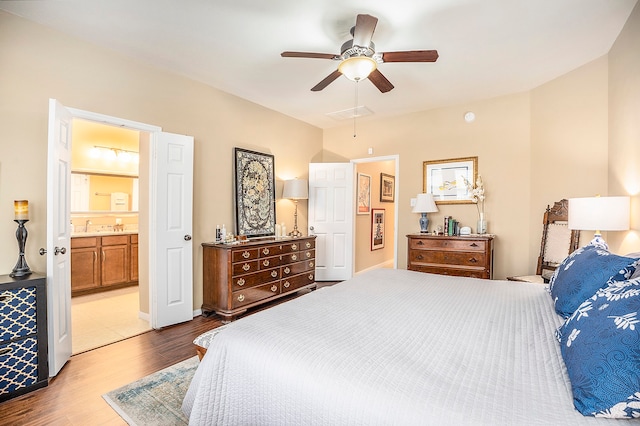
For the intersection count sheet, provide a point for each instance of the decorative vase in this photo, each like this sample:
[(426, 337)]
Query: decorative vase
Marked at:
[(482, 225)]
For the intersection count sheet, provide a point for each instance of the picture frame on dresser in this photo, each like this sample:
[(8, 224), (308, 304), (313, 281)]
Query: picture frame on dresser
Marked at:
[(377, 229), (363, 195), (448, 179), (255, 194)]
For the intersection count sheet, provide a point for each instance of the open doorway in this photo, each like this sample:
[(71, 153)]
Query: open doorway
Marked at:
[(106, 305)]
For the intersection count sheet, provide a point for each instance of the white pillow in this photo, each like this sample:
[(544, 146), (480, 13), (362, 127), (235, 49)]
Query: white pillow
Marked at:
[(636, 274)]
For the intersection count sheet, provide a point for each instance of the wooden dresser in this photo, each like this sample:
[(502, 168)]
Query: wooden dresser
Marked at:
[(468, 256), (240, 276), (23, 335)]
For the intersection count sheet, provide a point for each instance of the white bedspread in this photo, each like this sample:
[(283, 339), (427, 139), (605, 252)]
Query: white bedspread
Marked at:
[(391, 347)]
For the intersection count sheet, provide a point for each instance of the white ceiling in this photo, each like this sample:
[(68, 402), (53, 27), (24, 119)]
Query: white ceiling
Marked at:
[(487, 48)]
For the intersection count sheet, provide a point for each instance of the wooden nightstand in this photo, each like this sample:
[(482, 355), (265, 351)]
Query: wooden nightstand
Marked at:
[(468, 256)]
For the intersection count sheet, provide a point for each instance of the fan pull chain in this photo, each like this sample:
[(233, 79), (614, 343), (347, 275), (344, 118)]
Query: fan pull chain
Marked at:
[(355, 110)]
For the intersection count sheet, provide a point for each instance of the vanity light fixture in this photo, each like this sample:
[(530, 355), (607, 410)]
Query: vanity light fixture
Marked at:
[(110, 153)]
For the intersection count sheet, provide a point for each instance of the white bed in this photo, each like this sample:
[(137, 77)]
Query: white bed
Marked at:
[(392, 347)]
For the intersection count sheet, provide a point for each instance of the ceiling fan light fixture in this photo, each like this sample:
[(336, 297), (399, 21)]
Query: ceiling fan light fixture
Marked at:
[(357, 68)]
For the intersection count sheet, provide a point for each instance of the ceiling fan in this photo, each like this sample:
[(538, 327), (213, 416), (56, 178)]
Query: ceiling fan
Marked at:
[(359, 59)]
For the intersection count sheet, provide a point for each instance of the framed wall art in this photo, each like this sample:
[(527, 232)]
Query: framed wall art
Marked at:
[(377, 229), (447, 180), (363, 194), (255, 204), (387, 188)]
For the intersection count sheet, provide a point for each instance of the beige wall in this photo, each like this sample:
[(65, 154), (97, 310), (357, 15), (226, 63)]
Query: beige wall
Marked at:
[(38, 63), (499, 137), (366, 258), (624, 127)]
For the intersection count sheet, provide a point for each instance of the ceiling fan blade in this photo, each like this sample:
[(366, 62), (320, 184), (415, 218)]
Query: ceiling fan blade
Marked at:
[(309, 55), (411, 56), (365, 26), (327, 80), (380, 81)]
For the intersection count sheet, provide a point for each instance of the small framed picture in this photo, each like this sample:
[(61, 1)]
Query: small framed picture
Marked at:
[(364, 194), (387, 188), (377, 229)]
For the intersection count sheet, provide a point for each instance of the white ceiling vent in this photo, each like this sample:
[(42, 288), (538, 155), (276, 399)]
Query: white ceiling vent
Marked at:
[(348, 114)]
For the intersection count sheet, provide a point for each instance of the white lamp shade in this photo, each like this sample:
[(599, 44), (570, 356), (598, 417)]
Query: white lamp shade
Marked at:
[(425, 204), (599, 213), (296, 189)]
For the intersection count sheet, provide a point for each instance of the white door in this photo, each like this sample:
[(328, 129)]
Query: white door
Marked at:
[(59, 236), (171, 246), (331, 212)]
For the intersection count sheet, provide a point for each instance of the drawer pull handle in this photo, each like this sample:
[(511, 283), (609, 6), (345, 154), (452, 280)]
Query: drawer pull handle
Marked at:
[(241, 282), (241, 298), (287, 270), (308, 254), (294, 257), (308, 244), (5, 351), (474, 245), (473, 260), (274, 274), (265, 263), (287, 284), (5, 298), (419, 257), (310, 264), (265, 251), (274, 288), (294, 247), (420, 243), (246, 267), (311, 277), (246, 254)]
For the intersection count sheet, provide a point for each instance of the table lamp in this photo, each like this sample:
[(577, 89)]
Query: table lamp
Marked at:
[(424, 204), (295, 189), (599, 214)]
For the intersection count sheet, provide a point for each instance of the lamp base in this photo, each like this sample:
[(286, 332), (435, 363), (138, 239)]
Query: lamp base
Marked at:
[(424, 224), (295, 233), (21, 269)]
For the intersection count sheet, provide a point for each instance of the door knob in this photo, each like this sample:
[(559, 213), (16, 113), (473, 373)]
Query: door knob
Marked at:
[(42, 251), (59, 250), (311, 228), (187, 237)]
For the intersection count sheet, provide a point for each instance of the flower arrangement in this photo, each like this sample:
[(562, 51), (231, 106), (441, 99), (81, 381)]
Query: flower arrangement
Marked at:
[(478, 197)]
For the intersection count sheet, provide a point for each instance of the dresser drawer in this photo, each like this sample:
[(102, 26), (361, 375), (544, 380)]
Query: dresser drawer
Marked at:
[(17, 313), (251, 280), (297, 281), (297, 268), (307, 254), (19, 364), (269, 262), (270, 251), (447, 244), (255, 294), (291, 258), (245, 254), (476, 259), (244, 267), (472, 273), (289, 248), (308, 245)]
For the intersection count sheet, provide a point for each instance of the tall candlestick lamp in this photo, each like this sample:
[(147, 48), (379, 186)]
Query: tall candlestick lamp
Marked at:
[(295, 189), (21, 209)]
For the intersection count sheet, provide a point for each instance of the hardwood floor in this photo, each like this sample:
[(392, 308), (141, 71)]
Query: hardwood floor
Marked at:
[(74, 396)]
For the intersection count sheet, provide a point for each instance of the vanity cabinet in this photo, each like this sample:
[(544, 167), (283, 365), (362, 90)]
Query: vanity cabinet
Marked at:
[(23, 335), (101, 263), (240, 276)]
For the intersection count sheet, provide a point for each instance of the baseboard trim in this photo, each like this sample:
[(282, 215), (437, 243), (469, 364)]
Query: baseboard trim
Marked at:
[(144, 316), (197, 313), (385, 264)]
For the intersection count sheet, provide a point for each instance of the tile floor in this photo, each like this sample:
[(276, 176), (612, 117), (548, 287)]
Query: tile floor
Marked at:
[(103, 318)]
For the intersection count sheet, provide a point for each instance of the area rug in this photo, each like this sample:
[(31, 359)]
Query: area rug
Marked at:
[(155, 399)]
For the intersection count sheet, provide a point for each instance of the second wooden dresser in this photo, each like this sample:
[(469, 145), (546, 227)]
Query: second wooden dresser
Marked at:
[(469, 256), (241, 276)]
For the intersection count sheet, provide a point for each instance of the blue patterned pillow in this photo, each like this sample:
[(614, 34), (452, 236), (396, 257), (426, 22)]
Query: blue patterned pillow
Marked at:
[(600, 345), (586, 270)]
